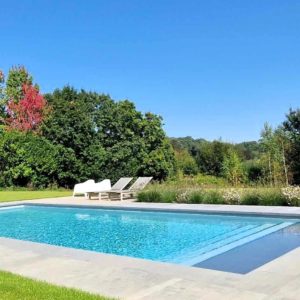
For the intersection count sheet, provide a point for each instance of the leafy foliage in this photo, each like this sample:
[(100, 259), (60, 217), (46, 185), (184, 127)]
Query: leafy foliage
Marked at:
[(248, 150), (211, 157), (28, 113), (16, 79), (85, 135), (2, 94), (292, 127), (107, 139), (273, 158), (186, 163), (27, 160), (232, 168), (254, 171), (270, 161)]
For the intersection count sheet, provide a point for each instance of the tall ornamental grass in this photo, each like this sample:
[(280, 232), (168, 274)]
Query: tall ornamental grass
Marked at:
[(289, 196)]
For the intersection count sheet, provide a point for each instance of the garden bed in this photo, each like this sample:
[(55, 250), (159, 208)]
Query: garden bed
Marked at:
[(288, 196)]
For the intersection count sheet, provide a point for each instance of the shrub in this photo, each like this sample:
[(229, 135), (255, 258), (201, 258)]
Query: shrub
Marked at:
[(149, 196), (251, 198), (168, 196), (27, 160), (254, 171), (272, 198), (196, 197), (213, 197), (186, 163)]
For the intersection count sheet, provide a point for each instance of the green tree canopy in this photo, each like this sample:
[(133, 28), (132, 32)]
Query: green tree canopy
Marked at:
[(110, 139), (210, 157), (292, 127), (16, 78), (273, 158), (27, 160), (186, 163), (232, 168)]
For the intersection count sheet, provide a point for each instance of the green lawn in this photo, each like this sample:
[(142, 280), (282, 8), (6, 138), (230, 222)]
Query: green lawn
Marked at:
[(14, 287), (6, 196)]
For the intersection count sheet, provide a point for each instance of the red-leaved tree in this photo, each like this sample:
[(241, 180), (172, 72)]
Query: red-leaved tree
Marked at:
[(28, 113)]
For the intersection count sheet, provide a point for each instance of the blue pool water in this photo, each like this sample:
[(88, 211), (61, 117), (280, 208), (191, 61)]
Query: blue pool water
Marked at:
[(162, 236)]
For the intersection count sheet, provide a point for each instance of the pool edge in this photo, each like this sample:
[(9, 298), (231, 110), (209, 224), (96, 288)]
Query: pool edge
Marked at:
[(176, 209)]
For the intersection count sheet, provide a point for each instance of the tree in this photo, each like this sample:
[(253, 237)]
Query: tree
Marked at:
[(291, 126), (1, 76), (186, 163), (16, 79), (2, 97), (274, 155), (135, 143), (159, 160), (110, 139), (269, 146), (210, 157), (71, 121), (232, 168), (71, 124), (22, 107), (26, 114), (254, 171), (2, 81), (283, 142), (249, 150), (158, 163), (27, 160)]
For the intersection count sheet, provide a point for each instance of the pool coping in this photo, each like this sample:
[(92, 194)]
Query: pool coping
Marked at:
[(271, 211), (133, 278)]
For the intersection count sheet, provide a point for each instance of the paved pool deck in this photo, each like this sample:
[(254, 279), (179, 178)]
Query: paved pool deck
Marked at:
[(132, 278)]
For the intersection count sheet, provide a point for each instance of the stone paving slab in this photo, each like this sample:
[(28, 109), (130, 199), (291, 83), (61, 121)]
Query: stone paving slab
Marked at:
[(138, 279)]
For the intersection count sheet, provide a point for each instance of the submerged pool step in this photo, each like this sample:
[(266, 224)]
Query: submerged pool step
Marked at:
[(220, 237), (195, 256), (226, 236), (233, 238), (212, 242)]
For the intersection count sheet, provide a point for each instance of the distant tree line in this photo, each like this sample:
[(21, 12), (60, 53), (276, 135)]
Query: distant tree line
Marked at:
[(68, 136), (274, 160)]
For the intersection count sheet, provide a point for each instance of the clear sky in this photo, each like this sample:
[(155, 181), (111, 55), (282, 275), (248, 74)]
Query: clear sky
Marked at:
[(211, 68)]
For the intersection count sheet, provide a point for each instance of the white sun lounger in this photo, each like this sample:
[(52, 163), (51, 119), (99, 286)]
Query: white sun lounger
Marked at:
[(138, 185), (83, 187), (100, 189)]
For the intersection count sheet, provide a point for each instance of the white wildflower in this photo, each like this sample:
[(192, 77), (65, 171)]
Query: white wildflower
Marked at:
[(292, 194), (182, 197), (232, 196)]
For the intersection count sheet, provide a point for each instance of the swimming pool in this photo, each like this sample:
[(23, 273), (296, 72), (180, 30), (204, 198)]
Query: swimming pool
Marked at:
[(183, 238)]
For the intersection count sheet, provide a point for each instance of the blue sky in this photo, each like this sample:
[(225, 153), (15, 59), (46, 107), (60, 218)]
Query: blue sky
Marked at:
[(211, 68)]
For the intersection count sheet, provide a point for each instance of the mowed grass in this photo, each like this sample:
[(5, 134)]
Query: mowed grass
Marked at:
[(6, 196), (14, 287)]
